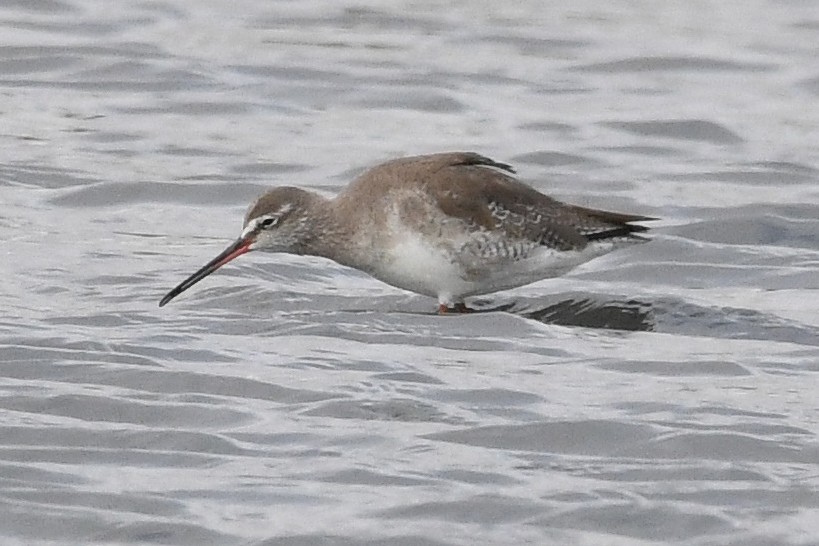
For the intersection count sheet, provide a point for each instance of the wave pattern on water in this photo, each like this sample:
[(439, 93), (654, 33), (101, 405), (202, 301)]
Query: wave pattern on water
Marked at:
[(660, 394)]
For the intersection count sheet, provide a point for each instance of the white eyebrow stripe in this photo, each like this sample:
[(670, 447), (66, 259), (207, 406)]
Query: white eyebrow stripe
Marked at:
[(250, 228), (255, 224)]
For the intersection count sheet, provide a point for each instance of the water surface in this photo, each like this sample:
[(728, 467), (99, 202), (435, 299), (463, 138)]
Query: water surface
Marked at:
[(662, 394)]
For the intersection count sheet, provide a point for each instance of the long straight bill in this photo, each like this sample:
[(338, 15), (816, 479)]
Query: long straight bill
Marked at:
[(239, 247)]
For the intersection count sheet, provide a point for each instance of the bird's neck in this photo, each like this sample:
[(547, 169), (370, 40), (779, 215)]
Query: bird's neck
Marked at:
[(324, 232)]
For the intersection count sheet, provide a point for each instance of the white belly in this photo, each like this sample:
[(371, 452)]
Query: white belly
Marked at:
[(414, 263)]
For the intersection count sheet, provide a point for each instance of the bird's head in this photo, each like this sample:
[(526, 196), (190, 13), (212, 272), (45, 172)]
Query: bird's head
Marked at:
[(278, 221)]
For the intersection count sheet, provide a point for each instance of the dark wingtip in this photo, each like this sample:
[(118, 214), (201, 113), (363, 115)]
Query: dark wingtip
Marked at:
[(623, 230), (644, 219), (636, 228), (502, 166), (478, 159)]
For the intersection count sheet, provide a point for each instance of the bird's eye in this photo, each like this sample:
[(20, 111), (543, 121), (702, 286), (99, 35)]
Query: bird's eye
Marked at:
[(268, 222)]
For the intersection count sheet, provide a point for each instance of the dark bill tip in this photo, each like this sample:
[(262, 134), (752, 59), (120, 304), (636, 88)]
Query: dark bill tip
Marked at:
[(241, 246)]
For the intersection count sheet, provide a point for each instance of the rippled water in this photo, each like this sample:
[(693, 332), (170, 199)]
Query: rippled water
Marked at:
[(662, 394)]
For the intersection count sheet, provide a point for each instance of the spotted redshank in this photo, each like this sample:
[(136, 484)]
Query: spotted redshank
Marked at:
[(448, 226)]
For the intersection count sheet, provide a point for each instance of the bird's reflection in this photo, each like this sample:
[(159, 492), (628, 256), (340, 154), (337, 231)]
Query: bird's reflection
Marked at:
[(588, 311)]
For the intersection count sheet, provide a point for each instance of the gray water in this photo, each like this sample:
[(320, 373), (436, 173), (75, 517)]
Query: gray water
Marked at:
[(663, 394)]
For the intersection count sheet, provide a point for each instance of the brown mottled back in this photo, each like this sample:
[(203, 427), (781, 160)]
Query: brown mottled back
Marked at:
[(481, 193)]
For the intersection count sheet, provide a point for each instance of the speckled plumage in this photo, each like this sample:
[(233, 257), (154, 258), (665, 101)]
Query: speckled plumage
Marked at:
[(448, 225)]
